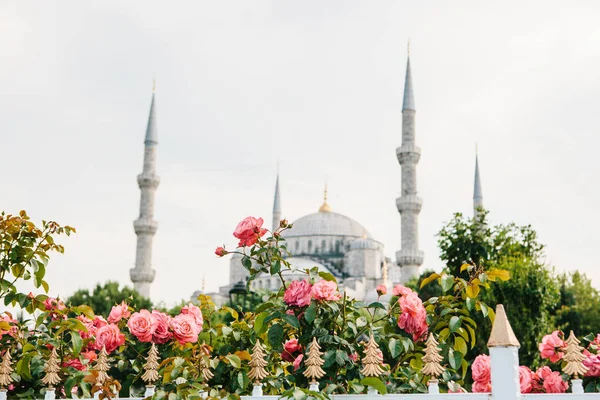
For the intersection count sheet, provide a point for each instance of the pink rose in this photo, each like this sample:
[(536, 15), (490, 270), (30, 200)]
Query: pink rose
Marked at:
[(52, 304), (481, 369), (249, 230), (89, 326), (353, 356), (550, 346), (325, 290), (161, 334), (525, 379), (74, 363), (290, 348), (297, 362), (119, 312), (109, 337), (195, 312), (220, 251), (91, 356), (400, 290), (543, 372), (7, 317), (413, 318), (592, 362), (482, 387), (596, 342), (555, 384), (185, 329), (298, 293), (142, 325), (381, 290)]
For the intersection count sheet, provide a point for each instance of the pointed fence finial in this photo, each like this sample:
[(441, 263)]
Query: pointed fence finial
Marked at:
[(502, 334), (258, 364), (6, 369), (313, 363), (432, 358), (101, 367), (151, 366), (574, 358), (373, 359), (52, 369)]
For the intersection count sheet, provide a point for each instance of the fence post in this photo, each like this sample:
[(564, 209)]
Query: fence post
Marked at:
[(504, 353)]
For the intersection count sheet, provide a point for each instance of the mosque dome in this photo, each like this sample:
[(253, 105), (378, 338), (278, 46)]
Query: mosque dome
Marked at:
[(365, 243), (325, 223)]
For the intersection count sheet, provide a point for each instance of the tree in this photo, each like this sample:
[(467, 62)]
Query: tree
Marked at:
[(104, 297), (579, 304)]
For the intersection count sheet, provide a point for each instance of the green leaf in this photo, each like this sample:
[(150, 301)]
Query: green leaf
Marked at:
[(311, 313), (85, 310), (327, 276), (234, 360), (376, 305), (447, 282), (454, 323), (429, 279), (470, 303), (501, 274), (275, 267), (275, 337), (375, 383), (484, 309), (460, 345), (291, 319), (259, 326), (341, 357), (247, 262), (395, 347), (23, 366), (77, 343)]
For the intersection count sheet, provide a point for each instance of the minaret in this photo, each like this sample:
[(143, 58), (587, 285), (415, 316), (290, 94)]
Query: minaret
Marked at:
[(145, 226), (276, 205), (409, 258), (477, 193)]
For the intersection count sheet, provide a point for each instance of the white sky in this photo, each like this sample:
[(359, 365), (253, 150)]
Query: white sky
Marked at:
[(317, 85)]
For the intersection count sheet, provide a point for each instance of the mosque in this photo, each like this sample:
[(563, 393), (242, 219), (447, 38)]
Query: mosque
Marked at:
[(333, 242)]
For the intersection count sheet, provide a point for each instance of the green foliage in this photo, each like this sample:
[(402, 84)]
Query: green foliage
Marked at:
[(579, 305), (105, 296)]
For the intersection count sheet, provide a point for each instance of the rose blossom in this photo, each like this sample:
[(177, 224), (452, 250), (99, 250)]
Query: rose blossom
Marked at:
[(543, 372), (592, 362), (525, 379), (185, 329), (298, 293), (353, 356), (118, 312), (413, 318), (109, 337), (325, 290), (161, 334), (195, 312), (91, 356), (74, 363), (142, 325), (297, 362), (555, 384), (400, 290), (550, 344), (289, 349), (220, 251), (7, 317), (481, 369), (249, 230), (52, 303), (381, 290)]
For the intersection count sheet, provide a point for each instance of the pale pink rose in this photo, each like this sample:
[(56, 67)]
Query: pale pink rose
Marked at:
[(550, 346), (162, 333), (525, 379), (482, 387), (109, 337), (220, 251), (481, 369), (381, 290), (555, 384), (185, 329), (298, 293), (297, 362), (142, 325), (290, 312), (325, 290), (195, 312), (89, 325), (592, 362), (400, 290), (118, 312), (290, 348), (249, 230), (413, 317)]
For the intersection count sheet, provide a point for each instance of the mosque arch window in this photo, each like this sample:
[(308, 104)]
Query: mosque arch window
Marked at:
[(310, 246), (337, 246), (297, 245), (324, 246)]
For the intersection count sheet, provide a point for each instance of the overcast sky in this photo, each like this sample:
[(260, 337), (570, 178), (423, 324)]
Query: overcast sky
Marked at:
[(316, 85)]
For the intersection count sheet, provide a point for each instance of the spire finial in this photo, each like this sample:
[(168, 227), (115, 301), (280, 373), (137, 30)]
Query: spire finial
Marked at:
[(408, 48), (325, 207), (153, 85), (203, 283)]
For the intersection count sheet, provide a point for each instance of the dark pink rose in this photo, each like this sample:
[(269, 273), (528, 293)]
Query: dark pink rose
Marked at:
[(195, 312), (109, 337), (249, 230), (543, 372), (481, 369), (290, 350), (298, 293), (220, 251), (592, 362), (185, 329), (555, 384), (551, 346), (162, 333), (119, 312), (297, 362), (525, 379), (74, 363), (142, 325), (353, 357), (325, 290), (381, 290)]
